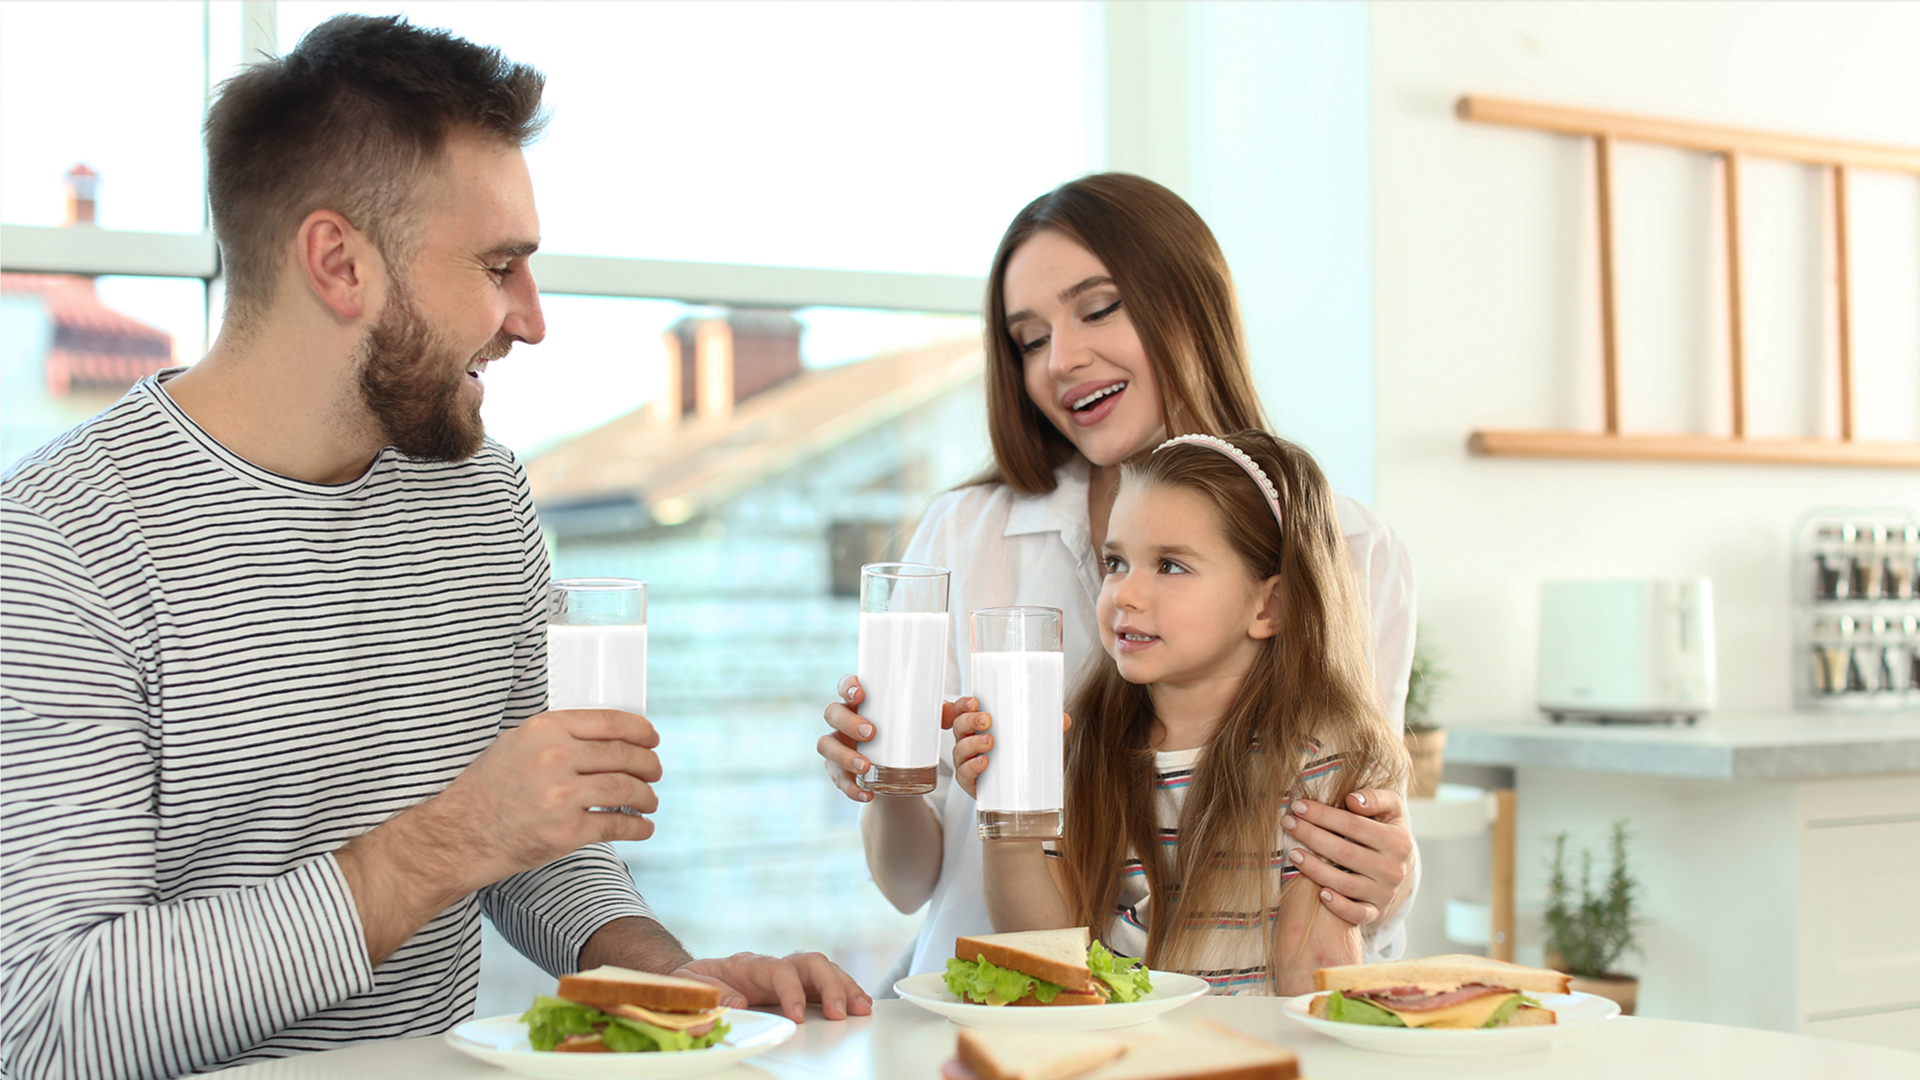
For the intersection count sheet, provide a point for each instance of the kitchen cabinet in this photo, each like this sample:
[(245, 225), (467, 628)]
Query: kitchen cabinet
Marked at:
[(1778, 857)]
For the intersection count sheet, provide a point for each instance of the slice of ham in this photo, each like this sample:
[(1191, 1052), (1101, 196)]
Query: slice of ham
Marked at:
[(1414, 999), (694, 1023)]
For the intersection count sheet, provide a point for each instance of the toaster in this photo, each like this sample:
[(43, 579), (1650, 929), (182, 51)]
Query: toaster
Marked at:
[(1627, 650)]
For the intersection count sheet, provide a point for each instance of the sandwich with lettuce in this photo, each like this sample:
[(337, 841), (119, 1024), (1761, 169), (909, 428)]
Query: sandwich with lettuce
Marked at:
[(620, 1011), (1043, 967), (1454, 991)]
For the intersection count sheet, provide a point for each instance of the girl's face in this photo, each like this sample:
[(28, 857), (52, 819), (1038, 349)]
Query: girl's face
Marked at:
[(1084, 366), (1178, 606)]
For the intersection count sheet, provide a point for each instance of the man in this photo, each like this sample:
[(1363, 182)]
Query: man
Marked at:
[(274, 665)]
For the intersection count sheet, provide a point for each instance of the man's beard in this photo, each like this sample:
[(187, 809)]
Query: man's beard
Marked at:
[(411, 382)]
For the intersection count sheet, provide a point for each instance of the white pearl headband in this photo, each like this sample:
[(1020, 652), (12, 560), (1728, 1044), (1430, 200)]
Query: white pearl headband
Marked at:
[(1240, 458)]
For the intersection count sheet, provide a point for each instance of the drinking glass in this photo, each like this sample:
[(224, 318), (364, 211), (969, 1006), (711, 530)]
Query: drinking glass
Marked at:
[(903, 671), (597, 644), (1019, 675)]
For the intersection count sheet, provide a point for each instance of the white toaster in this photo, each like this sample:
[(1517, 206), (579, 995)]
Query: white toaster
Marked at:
[(1627, 650)]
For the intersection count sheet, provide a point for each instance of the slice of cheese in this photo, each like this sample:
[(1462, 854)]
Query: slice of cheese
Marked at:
[(670, 1021), (1467, 1014)]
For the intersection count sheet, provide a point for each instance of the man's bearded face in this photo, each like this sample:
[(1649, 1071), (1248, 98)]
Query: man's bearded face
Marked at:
[(413, 383)]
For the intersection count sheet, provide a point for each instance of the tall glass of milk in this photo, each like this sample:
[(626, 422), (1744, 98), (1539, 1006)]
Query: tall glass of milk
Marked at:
[(1019, 675), (597, 644), (903, 671)]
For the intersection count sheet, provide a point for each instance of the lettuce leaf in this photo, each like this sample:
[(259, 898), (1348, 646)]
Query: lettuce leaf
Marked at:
[(1127, 983), (981, 982), (552, 1020), (1506, 1010), (1348, 1010)]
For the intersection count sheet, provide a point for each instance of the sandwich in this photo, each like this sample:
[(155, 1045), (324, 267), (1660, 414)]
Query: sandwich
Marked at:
[(618, 1010), (1451, 991), (1199, 1051), (1042, 967)]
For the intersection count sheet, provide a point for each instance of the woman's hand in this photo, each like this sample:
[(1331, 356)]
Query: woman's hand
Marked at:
[(840, 747), (1361, 859)]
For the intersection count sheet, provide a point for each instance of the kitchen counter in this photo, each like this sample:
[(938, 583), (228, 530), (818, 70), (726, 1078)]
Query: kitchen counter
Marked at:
[(1732, 746), (1778, 859)]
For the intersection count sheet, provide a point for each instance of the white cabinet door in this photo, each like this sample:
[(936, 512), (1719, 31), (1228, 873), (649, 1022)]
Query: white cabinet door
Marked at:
[(1859, 902)]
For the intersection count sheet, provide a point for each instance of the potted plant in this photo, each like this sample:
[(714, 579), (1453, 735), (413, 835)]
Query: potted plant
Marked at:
[(1426, 740), (1588, 931)]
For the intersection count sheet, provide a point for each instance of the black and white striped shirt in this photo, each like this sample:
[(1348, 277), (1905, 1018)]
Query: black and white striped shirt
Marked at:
[(212, 677)]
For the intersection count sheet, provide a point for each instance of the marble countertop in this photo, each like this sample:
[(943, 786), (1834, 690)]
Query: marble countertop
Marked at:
[(1729, 746)]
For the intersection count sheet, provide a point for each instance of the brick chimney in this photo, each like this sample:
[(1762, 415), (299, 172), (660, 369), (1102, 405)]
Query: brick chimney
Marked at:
[(724, 361), (82, 183)]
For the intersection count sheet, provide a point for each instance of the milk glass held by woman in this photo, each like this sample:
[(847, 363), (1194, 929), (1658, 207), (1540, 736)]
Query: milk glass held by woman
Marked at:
[(1111, 323), (903, 663), (597, 644)]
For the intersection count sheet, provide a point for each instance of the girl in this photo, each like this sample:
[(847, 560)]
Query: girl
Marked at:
[(1239, 682), (1111, 322)]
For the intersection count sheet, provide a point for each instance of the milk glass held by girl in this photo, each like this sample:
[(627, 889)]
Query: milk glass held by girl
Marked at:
[(1239, 681)]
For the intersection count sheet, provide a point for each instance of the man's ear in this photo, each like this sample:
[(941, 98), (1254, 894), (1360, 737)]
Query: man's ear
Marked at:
[(1273, 606), (337, 261)]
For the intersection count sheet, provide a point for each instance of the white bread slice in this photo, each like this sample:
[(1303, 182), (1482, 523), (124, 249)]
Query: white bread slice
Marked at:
[(1437, 973), (1064, 997), (1524, 1016), (608, 985), (1012, 1054), (1057, 956), (1201, 1050)]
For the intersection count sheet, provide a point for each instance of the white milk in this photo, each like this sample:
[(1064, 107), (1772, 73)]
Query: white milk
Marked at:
[(903, 669), (597, 667), (1024, 693)]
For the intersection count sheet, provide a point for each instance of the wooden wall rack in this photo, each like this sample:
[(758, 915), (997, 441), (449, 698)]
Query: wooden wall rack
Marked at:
[(1730, 144)]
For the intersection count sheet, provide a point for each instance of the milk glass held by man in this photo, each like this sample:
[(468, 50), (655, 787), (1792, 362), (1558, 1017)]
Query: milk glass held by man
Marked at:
[(273, 687)]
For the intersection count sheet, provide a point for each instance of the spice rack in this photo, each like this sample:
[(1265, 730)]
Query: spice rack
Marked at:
[(1856, 589)]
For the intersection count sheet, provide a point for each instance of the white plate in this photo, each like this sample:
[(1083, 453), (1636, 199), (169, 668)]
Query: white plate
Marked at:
[(1170, 991), (1572, 1011), (502, 1041)]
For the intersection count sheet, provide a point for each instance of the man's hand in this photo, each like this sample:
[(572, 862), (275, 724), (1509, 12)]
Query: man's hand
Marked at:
[(1362, 860), (790, 982), (524, 802)]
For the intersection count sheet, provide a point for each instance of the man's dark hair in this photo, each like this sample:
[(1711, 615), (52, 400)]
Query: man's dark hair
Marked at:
[(349, 121)]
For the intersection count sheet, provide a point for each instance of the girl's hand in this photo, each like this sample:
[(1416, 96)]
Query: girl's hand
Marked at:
[(840, 747), (971, 741), (1372, 846)]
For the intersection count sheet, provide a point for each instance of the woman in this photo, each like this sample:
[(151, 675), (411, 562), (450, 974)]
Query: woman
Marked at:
[(1111, 324)]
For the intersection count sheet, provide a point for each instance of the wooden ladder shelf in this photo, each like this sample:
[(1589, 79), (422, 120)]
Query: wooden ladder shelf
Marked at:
[(1730, 144)]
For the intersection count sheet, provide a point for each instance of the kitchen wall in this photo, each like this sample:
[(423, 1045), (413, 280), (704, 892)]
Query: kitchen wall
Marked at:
[(1486, 311)]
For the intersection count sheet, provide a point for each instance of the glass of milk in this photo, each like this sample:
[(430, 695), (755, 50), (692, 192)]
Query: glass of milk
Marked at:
[(903, 671), (597, 644), (1019, 675)]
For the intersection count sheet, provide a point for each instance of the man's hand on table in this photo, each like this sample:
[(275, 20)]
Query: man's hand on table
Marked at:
[(790, 982)]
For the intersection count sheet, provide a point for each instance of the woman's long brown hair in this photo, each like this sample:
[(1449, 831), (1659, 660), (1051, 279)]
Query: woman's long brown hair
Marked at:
[(1178, 294), (1312, 681)]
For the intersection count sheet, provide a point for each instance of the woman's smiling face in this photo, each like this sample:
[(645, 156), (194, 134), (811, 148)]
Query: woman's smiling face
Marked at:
[(1084, 366)]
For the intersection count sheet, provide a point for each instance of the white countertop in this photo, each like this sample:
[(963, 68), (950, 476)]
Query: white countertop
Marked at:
[(1730, 746), (904, 1042)]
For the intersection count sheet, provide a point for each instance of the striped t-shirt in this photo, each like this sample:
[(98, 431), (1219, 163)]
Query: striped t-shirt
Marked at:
[(1231, 960), (211, 678)]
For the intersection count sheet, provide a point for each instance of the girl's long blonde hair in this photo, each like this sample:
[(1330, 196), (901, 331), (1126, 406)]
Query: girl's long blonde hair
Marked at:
[(1178, 295), (1311, 683)]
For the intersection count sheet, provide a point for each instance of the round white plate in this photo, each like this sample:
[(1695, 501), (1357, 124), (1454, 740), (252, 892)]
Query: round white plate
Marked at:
[(1170, 991), (502, 1041), (1572, 1011)]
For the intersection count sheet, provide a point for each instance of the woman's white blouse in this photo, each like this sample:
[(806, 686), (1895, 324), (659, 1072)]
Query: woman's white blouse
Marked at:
[(1006, 549)]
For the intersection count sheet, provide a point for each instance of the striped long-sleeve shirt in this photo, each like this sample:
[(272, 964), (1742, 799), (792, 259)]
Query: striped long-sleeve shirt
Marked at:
[(212, 677)]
